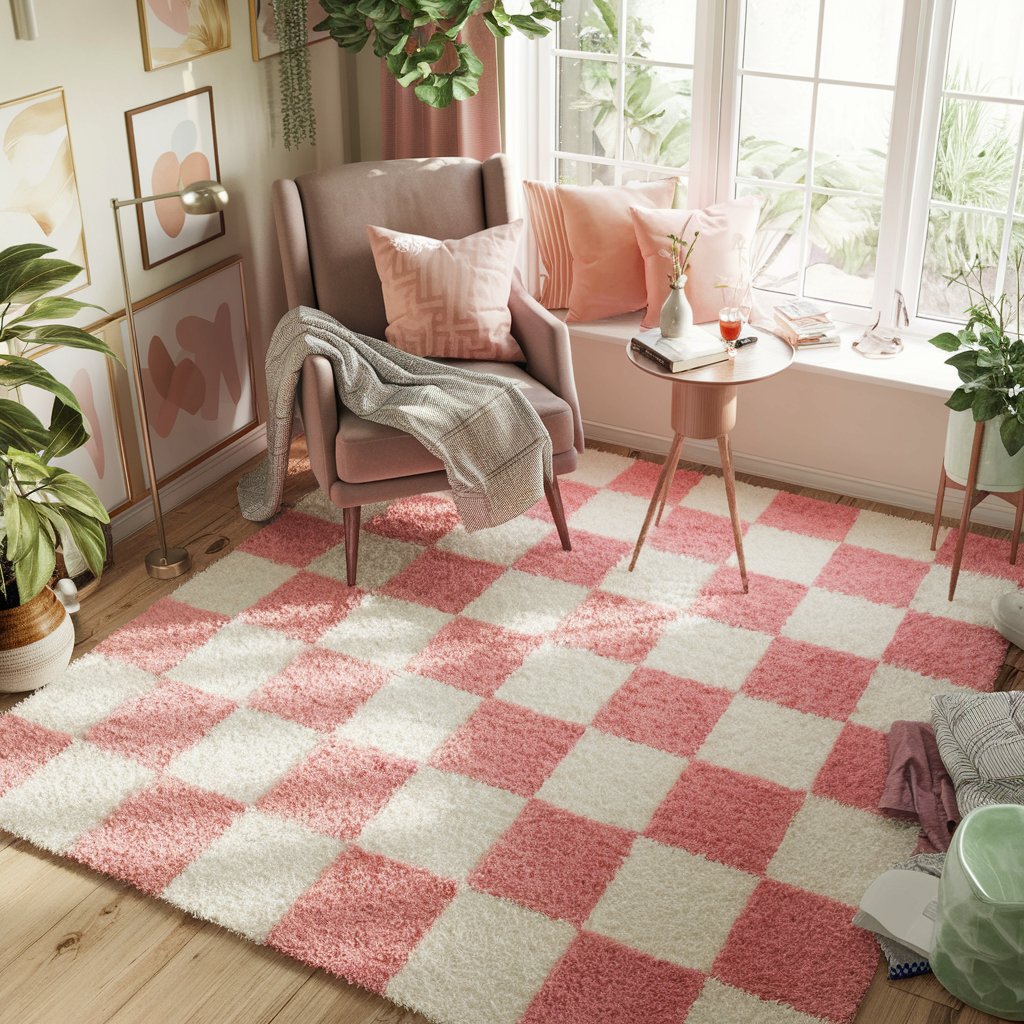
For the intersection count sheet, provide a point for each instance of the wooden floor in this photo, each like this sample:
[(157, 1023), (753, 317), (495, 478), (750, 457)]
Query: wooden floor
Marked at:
[(78, 948)]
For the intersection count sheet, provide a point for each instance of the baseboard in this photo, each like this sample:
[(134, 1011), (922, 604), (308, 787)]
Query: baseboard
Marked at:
[(208, 472), (991, 512)]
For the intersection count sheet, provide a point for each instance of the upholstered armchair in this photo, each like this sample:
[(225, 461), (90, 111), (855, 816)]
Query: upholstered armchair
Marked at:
[(321, 228)]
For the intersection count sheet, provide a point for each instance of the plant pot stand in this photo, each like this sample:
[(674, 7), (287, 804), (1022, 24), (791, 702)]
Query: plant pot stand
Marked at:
[(972, 498)]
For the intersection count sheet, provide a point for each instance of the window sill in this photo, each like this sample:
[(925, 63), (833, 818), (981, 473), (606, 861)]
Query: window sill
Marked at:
[(919, 367)]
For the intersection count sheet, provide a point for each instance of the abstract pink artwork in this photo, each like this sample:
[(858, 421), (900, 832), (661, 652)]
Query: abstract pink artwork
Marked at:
[(196, 368), (172, 144)]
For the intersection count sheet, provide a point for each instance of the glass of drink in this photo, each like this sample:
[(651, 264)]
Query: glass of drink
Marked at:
[(730, 322)]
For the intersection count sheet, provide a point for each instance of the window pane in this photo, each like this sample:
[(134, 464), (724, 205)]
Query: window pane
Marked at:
[(661, 29), (578, 172), (584, 28), (587, 105), (976, 150), (985, 47), (781, 35), (954, 238), (656, 115), (844, 241), (851, 139), (775, 118), (775, 254), (860, 40)]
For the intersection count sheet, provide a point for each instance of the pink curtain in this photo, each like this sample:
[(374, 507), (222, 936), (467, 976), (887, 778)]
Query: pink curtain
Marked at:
[(470, 127)]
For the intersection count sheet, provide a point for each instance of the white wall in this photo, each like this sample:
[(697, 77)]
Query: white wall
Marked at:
[(93, 50)]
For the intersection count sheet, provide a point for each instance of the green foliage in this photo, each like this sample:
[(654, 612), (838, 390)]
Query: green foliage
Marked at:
[(298, 119), (419, 39), (988, 354), (42, 505)]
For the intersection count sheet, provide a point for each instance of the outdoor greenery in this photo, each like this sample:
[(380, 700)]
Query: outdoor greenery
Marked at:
[(989, 354), (420, 39), (41, 505)]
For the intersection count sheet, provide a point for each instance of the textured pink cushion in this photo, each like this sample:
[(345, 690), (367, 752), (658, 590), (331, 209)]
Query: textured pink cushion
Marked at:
[(726, 236), (449, 298), (548, 227), (607, 268)]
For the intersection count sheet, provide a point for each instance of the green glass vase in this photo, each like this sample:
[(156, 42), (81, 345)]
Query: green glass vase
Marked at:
[(978, 953)]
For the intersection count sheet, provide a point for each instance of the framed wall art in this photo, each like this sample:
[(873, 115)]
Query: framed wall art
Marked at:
[(100, 385), (264, 33), (178, 30), (38, 190), (171, 144), (196, 365)]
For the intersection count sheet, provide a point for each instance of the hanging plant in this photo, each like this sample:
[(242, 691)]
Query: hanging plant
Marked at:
[(414, 36), (298, 119)]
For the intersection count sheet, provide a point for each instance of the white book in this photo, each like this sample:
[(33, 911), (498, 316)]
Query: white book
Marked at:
[(697, 347)]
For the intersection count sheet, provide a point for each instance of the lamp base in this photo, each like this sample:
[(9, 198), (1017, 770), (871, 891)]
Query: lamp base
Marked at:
[(178, 561)]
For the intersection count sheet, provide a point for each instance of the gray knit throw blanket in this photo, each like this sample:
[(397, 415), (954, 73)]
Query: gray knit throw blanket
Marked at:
[(495, 450)]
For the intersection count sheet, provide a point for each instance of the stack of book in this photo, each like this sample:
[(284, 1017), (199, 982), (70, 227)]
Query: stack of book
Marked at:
[(697, 347), (805, 324)]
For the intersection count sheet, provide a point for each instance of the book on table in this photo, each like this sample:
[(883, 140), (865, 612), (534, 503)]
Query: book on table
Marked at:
[(697, 347)]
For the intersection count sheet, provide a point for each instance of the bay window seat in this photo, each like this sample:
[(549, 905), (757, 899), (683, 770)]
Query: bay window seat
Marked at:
[(834, 421)]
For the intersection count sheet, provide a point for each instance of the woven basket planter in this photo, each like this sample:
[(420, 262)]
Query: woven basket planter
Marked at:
[(36, 641)]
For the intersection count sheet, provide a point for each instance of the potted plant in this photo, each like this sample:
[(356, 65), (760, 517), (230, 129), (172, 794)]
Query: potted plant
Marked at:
[(988, 354), (41, 505)]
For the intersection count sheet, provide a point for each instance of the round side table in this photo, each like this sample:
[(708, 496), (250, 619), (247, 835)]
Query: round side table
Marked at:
[(704, 407)]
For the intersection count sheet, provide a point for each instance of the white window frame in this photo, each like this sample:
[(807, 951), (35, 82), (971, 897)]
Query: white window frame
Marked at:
[(923, 47)]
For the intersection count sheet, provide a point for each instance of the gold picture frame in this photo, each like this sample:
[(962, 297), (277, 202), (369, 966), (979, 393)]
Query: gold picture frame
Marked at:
[(176, 33), (172, 316), (44, 208), (172, 143), (261, 11)]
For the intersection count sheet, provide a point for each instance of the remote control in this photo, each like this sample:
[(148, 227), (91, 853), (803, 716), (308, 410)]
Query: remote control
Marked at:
[(740, 342)]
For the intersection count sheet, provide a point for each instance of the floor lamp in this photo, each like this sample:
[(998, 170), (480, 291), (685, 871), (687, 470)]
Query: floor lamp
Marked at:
[(200, 197)]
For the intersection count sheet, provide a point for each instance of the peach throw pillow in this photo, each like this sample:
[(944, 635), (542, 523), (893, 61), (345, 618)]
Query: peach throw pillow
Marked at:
[(726, 236), (607, 268), (548, 228), (449, 298)]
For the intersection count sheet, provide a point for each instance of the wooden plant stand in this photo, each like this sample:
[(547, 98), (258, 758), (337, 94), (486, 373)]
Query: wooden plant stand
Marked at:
[(972, 498)]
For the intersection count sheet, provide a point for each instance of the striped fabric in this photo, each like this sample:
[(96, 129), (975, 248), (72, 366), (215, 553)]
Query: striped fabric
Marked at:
[(548, 227), (495, 449), (981, 740)]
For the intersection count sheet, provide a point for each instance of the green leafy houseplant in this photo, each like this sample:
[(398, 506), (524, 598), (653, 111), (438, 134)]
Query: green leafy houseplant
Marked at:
[(988, 354), (41, 505), (415, 36)]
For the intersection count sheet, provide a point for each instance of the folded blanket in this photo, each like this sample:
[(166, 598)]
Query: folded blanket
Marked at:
[(981, 740), (918, 785), (495, 449)]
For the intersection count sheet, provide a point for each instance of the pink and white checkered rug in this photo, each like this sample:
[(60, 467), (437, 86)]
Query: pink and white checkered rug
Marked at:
[(500, 783)]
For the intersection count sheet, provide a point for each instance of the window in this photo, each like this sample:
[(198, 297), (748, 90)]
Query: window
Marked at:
[(625, 97), (815, 99), (885, 136)]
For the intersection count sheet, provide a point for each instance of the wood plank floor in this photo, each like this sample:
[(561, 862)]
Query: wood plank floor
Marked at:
[(78, 948)]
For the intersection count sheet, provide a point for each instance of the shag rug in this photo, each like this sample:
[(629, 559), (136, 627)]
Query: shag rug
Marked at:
[(502, 784)]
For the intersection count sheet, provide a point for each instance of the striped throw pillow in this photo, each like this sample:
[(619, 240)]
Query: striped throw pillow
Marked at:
[(548, 226)]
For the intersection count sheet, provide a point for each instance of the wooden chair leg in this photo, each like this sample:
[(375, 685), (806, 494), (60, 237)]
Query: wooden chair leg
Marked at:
[(1017, 520), (351, 518), (554, 496), (939, 498), (965, 517)]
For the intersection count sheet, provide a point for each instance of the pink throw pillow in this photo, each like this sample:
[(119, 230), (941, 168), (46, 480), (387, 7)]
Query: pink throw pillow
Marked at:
[(726, 236), (449, 298), (607, 268), (548, 228)]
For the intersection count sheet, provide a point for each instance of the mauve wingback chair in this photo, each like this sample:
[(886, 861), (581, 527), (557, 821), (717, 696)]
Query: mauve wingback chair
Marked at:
[(321, 228)]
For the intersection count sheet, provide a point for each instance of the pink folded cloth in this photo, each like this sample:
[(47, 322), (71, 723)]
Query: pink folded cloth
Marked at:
[(918, 785)]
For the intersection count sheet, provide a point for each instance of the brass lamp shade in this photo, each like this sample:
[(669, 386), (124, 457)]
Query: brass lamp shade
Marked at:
[(204, 197)]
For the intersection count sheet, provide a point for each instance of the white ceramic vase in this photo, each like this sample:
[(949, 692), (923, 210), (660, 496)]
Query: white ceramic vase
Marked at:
[(997, 471), (677, 313), (36, 641)]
